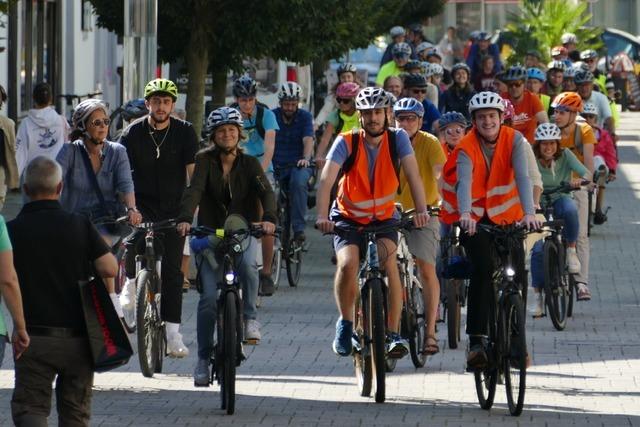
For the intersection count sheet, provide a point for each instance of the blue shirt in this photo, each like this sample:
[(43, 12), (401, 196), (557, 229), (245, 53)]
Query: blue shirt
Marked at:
[(253, 144), (114, 177), (289, 138), (431, 114)]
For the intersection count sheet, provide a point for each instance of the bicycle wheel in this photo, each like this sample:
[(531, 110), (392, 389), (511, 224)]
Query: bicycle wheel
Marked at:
[(129, 318), (146, 318), (361, 358), (377, 326), (572, 295), (293, 261), (589, 213), (161, 348), (487, 379), (276, 264), (555, 285), (453, 312), (418, 324), (515, 356), (229, 353)]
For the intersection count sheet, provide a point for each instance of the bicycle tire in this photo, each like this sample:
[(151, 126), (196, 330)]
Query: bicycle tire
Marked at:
[(129, 318), (589, 213), (361, 359), (453, 312), (572, 295), (276, 264), (418, 324), (515, 355), (487, 379), (555, 288), (377, 327), (146, 321), (229, 352), (161, 349), (293, 261)]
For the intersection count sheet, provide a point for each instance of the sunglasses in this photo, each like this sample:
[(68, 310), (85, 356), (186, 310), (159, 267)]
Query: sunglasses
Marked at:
[(407, 118), (563, 109), (100, 122), (454, 131), (344, 100), (418, 90), (515, 84)]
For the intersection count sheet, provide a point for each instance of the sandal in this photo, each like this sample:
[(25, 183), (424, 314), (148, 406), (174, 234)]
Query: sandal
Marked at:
[(584, 294), (430, 349)]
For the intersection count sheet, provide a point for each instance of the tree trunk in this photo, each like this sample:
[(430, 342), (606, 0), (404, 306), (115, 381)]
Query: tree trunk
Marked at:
[(197, 57), (219, 77)]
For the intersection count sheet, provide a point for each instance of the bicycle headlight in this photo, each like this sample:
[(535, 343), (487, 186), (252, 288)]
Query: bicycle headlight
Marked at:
[(511, 273), (229, 277)]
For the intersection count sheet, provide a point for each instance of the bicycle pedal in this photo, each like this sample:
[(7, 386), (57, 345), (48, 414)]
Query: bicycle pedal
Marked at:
[(251, 341)]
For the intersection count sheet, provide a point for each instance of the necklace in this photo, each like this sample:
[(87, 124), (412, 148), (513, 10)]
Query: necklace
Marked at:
[(161, 142)]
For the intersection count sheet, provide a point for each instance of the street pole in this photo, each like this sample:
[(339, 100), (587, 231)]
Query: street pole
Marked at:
[(140, 46)]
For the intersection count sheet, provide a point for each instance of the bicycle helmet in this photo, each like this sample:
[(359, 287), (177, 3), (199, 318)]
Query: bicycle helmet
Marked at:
[(484, 100), (414, 63), (559, 50), (392, 97), (161, 87), (516, 72), (371, 98), (401, 49), (289, 91), (460, 66), (347, 90), (548, 132), (483, 35), (535, 53), (134, 109), (556, 65), (568, 38), (434, 52), (415, 80), (396, 31), (84, 109), (224, 116), (409, 105), (347, 67), (590, 108), (450, 118), (583, 76), (570, 73), (244, 87), (536, 74), (421, 47), (509, 111), (570, 101), (588, 54), (436, 69)]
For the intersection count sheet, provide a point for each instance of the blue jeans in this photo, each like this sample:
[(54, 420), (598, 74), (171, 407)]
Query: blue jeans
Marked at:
[(247, 270), (3, 343), (294, 182)]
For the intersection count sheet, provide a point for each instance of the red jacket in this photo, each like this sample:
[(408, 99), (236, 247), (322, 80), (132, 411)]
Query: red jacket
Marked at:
[(606, 148)]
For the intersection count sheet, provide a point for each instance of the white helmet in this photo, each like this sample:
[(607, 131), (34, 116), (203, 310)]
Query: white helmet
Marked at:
[(434, 69), (289, 91), (568, 38), (423, 46), (589, 108), (547, 132), (371, 98), (396, 31), (482, 100), (84, 109), (224, 116)]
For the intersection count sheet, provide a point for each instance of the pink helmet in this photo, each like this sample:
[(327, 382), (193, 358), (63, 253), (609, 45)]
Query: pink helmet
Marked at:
[(347, 90), (509, 111)]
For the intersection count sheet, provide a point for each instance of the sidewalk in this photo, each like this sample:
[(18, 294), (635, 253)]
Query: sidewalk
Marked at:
[(587, 375)]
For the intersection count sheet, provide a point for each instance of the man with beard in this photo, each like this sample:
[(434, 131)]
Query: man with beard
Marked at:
[(294, 146), (161, 151)]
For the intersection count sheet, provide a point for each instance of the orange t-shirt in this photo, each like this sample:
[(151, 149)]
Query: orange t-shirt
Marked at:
[(524, 119)]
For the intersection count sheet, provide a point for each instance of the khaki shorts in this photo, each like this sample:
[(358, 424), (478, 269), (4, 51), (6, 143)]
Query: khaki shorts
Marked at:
[(424, 242)]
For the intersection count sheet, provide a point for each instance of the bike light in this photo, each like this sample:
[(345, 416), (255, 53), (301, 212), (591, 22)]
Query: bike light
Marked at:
[(229, 277), (510, 272)]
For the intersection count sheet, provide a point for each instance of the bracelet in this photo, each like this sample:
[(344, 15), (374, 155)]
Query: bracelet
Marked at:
[(132, 209)]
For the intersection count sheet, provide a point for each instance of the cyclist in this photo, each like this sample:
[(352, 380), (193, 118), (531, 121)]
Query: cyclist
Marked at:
[(225, 181), (560, 53), (569, 79), (535, 80), (347, 73), (491, 186), (434, 73), (484, 79), (457, 97), (584, 81), (422, 49), (434, 56), (483, 47), (366, 195), (590, 59), (433, 91), (401, 53), (161, 152), (343, 119), (423, 242), (529, 111), (580, 139), (532, 59), (294, 144), (452, 127), (555, 74), (415, 86), (394, 85), (556, 165), (397, 35), (570, 43)]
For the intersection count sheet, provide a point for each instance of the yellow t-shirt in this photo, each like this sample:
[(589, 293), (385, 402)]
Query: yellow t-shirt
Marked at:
[(588, 137), (428, 153)]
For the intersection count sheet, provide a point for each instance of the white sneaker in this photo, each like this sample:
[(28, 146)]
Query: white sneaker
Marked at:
[(127, 296), (573, 263), (538, 309), (175, 346), (252, 331)]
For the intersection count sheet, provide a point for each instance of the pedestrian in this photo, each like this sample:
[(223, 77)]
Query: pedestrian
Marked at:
[(451, 47), (8, 167), (59, 348)]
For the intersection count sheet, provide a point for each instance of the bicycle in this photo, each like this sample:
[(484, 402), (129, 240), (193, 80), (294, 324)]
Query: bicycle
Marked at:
[(230, 242), (507, 345), (72, 99)]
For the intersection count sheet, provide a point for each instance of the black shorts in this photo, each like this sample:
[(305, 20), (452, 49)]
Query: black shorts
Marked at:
[(353, 237)]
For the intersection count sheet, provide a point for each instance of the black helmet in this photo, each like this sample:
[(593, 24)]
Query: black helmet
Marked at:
[(415, 80), (245, 86)]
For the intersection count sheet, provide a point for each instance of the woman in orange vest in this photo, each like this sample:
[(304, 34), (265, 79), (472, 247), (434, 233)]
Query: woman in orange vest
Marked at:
[(490, 184)]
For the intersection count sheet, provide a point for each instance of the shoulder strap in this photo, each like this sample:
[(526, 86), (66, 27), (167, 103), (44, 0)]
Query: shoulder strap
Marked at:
[(577, 138), (92, 177), (259, 124), (393, 149), (340, 124), (355, 143)]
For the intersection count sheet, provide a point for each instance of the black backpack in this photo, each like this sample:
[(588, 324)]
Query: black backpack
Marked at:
[(355, 143), (260, 107)]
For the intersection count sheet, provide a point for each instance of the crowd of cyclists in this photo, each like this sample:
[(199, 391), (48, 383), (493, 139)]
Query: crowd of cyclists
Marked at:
[(480, 140)]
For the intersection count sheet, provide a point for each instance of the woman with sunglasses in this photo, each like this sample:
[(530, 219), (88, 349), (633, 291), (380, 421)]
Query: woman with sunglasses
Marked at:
[(97, 178)]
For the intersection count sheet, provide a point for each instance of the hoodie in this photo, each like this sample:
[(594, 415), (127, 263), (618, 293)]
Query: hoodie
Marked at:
[(41, 133)]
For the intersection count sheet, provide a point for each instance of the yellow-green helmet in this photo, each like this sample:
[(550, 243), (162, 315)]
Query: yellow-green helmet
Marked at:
[(161, 86)]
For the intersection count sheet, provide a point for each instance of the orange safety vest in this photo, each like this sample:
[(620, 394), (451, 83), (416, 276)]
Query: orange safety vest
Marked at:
[(359, 199), (494, 193), (447, 150)]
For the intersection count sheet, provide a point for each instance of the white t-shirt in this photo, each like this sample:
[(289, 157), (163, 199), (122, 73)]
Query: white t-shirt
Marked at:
[(602, 105)]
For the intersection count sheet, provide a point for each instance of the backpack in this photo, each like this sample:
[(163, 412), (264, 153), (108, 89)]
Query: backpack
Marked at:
[(260, 107), (355, 143)]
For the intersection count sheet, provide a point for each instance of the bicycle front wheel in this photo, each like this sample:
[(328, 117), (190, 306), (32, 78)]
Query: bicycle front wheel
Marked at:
[(276, 264), (130, 315), (148, 323), (453, 312), (555, 285), (293, 261), (418, 327), (229, 353), (515, 356), (377, 326), (361, 357)]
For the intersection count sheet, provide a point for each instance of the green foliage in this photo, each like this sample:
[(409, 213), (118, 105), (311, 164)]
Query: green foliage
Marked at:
[(541, 23)]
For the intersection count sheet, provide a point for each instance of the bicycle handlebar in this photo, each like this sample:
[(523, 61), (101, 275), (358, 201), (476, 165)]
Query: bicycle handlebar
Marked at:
[(254, 230), (565, 187)]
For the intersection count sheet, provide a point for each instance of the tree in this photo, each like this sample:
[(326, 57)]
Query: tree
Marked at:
[(541, 23), (216, 35)]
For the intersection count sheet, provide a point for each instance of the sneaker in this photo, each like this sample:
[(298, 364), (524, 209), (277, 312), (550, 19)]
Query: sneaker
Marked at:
[(397, 347), (201, 375), (538, 309), (252, 331), (573, 263), (175, 346), (127, 296), (299, 236), (477, 358), (342, 342), (584, 294), (267, 288)]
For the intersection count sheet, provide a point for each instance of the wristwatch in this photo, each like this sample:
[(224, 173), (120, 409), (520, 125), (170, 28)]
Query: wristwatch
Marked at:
[(132, 209)]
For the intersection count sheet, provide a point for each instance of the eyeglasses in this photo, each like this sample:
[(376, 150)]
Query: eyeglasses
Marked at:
[(454, 131), (418, 90), (515, 84), (589, 116), (100, 122), (344, 100), (407, 118)]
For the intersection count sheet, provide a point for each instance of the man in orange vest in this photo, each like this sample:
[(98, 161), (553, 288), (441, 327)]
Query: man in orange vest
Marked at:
[(489, 183), (366, 196)]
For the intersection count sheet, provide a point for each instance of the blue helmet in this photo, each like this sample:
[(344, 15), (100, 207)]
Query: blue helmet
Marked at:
[(536, 73), (409, 105), (452, 117)]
